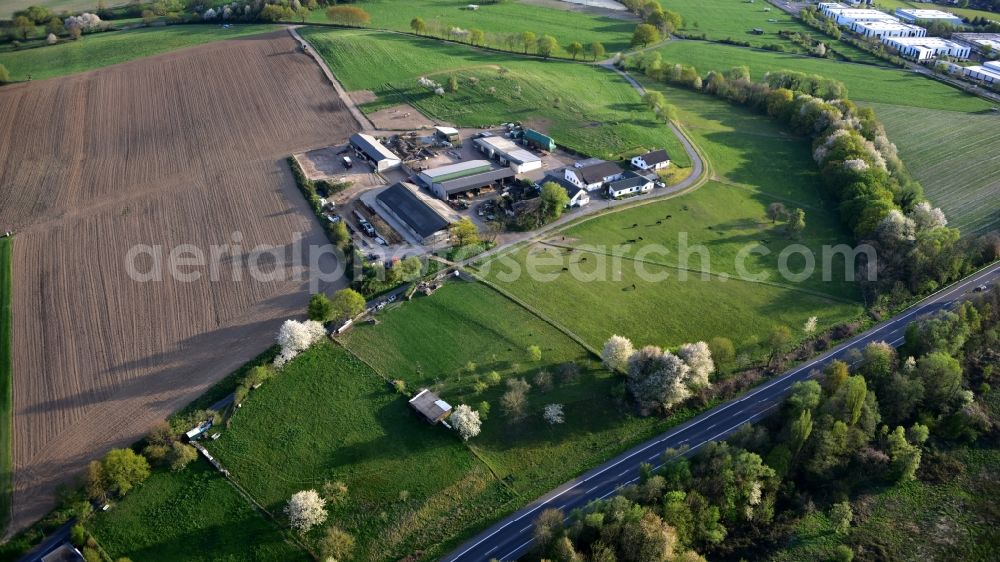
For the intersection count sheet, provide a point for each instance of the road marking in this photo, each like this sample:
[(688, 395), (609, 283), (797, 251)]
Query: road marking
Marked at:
[(513, 552)]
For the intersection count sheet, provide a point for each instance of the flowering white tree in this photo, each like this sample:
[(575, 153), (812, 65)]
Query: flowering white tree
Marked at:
[(657, 379), (616, 352), (896, 226), (699, 358), (927, 217), (466, 421), (295, 337), (305, 510), (553, 413), (85, 21), (810, 326), (209, 14)]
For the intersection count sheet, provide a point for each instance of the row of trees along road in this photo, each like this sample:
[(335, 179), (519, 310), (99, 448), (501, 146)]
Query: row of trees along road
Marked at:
[(834, 440)]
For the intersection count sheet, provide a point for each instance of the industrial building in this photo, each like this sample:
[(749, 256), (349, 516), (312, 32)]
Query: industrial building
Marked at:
[(455, 179), (846, 16), (986, 44), (452, 171), (913, 15), (927, 48), (447, 134), (508, 154), (880, 29), (369, 148), (989, 72), (402, 204)]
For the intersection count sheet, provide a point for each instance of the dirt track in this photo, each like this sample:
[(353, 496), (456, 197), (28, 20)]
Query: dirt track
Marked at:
[(185, 147)]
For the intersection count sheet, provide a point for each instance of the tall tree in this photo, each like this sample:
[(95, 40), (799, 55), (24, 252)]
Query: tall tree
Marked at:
[(320, 308), (554, 200), (348, 15), (347, 303), (597, 50), (574, 48), (418, 25), (645, 34), (528, 40), (547, 45)]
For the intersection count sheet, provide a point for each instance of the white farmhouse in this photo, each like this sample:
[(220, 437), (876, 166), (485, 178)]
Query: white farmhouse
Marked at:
[(629, 185), (593, 176), (654, 160)]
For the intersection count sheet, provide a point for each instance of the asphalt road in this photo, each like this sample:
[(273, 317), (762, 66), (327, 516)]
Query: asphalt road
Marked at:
[(512, 537)]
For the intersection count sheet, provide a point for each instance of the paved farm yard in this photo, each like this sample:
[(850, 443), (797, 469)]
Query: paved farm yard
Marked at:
[(97, 357)]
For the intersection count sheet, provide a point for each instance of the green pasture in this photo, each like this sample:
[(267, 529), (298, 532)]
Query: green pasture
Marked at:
[(195, 515), (891, 5), (113, 47), (585, 108), (865, 83), (502, 18)]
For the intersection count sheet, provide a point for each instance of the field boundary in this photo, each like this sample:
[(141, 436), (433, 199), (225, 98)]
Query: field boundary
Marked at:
[(6, 384), (541, 316)]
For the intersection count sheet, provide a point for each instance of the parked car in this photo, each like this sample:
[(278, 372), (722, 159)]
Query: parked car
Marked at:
[(347, 162)]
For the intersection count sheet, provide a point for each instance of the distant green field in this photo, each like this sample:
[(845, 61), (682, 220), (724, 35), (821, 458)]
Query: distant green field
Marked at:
[(955, 157), (755, 163), (864, 82), (8, 7), (105, 49), (586, 108), (503, 17), (735, 19), (6, 380), (191, 515), (891, 5)]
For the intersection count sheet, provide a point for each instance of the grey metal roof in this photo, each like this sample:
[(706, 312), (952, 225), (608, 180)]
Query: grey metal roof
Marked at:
[(372, 147), (595, 173), (418, 215), (459, 185), (655, 157), (631, 180), (430, 405)]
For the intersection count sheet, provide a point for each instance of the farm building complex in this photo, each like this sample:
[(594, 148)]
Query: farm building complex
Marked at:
[(593, 175), (462, 177), (578, 196), (369, 148), (401, 203), (653, 160)]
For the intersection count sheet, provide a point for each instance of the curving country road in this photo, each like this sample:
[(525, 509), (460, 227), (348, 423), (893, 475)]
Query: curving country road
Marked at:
[(512, 537)]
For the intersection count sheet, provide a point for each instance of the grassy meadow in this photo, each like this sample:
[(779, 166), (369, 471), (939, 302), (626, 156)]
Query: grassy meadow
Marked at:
[(582, 107), (503, 17), (754, 162), (6, 380), (113, 47), (865, 83), (891, 5), (954, 155), (195, 515)]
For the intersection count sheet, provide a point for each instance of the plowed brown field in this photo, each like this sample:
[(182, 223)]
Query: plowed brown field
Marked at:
[(186, 147)]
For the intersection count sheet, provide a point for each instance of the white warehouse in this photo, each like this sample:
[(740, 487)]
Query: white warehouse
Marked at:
[(989, 72), (927, 48), (846, 16), (913, 15), (880, 29), (508, 154)]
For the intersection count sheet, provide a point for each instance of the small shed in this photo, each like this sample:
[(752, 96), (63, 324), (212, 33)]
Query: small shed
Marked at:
[(430, 406)]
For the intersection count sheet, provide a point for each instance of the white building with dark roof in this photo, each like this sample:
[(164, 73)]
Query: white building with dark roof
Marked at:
[(593, 176), (653, 160), (629, 185), (578, 196), (927, 48)]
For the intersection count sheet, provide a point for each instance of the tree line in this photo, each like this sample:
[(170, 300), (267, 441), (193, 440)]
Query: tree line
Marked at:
[(846, 433)]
